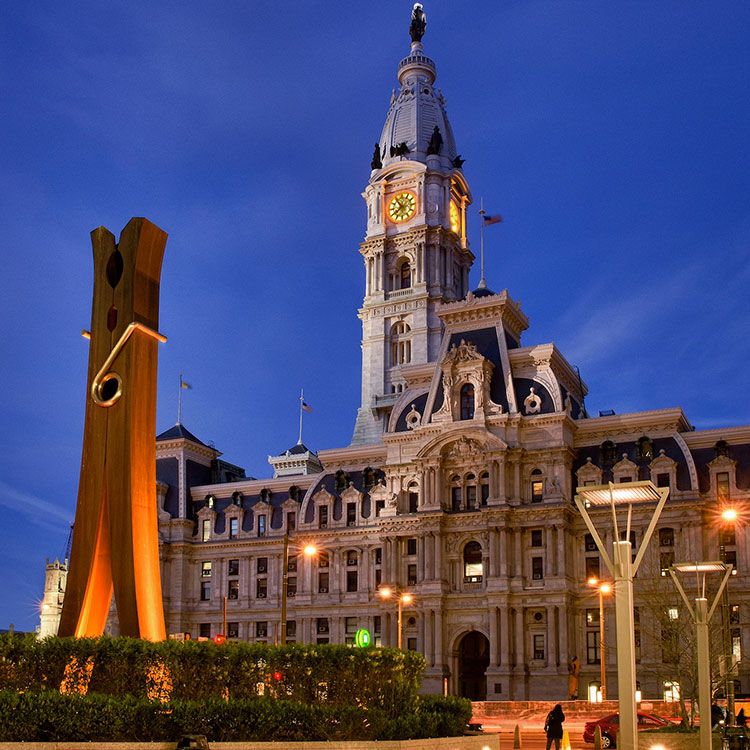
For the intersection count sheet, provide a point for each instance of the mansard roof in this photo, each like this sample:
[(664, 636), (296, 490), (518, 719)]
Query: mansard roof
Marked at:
[(180, 432)]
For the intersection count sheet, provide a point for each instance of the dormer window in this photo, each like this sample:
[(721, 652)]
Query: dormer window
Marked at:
[(262, 525), (467, 401)]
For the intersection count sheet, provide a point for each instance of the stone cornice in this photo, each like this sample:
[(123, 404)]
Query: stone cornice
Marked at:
[(548, 354), (708, 438), (353, 456), (630, 426), (481, 308), (169, 449)]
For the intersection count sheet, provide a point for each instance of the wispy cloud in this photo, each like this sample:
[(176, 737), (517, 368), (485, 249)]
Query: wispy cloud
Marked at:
[(40, 512)]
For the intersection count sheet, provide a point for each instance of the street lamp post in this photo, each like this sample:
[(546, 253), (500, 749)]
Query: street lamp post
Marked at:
[(309, 550), (701, 615), (729, 516), (402, 597), (623, 568), (602, 589)]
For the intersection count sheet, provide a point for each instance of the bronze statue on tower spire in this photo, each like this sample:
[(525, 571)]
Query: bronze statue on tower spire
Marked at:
[(418, 23)]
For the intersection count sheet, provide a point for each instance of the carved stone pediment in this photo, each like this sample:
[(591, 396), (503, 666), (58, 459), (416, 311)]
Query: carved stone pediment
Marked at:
[(462, 448), (463, 352), (589, 472), (351, 494), (322, 497)]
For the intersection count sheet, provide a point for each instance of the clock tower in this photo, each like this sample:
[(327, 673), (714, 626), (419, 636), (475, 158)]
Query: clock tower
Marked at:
[(415, 251)]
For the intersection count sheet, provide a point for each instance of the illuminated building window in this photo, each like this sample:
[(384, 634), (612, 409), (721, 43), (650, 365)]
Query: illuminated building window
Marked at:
[(537, 486), (473, 563), (206, 569), (206, 529), (722, 486), (592, 618), (673, 613)]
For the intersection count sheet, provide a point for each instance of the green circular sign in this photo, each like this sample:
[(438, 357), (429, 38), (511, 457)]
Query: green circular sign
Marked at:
[(362, 638)]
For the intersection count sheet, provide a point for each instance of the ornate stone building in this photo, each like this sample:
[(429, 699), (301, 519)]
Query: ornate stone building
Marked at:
[(458, 484)]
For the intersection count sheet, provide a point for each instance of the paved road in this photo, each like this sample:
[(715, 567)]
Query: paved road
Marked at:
[(535, 739)]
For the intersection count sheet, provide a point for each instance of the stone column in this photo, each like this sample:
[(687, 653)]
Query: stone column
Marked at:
[(420, 559), (501, 481), (439, 658), (503, 552), (493, 553), (520, 639), (518, 566), (552, 633), (438, 557), (517, 481), (550, 563), (429, 550), (503, 638)]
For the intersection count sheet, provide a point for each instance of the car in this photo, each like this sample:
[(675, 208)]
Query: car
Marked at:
[(609, 726)]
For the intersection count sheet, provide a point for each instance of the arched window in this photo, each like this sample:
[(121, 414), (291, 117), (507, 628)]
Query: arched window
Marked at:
[(413, 497), (471, 492), (467, 401), (484, 483), (404, 273), (400, 343), (473, 567), (645, 448)]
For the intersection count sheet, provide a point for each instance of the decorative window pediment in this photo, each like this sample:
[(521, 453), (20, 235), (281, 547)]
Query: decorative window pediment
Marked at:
[(466, 372), (625, 470), (589, 474), (664, 471)]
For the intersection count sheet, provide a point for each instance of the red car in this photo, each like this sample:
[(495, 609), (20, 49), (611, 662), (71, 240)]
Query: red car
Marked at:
[(610, 724)]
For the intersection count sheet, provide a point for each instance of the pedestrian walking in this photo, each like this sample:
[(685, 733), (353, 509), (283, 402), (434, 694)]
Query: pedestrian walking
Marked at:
[(553, 726)]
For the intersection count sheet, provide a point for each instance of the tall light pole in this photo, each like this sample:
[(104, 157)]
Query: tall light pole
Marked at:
[(729, 517), (309, 550), (402, 597), (603, 589), (622, 569), (701, 615)]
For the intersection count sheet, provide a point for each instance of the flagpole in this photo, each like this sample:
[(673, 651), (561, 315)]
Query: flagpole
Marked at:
[(482, 283), (179, 402), (301, 401)]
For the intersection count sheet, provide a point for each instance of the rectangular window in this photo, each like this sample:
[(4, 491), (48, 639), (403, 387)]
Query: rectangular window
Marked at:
[(379, 505), (376, 624), (322, 583), (411, 546), (234, 527), (205, 591), (291, 586), (204, 630), (730, 557), (323, 517), (206, 529), (351, 514), (536, 538), (590, 543), (632, 537), (722, 486), (537, 568), (736, 644), (262, 525), (592, 567), (351, 580), (233, 589), (537, 491), (666, 560), (291, 628), (413, 502), (471, 497), (291, 521), (233, 630), (261, 630), (734, 614), (233, 568), (322, 624), (411, 575), (727, 537), (411, 644), (206, 569), (262, 565), (539, 647), (350, 626), (378, 556), (485, 493), (322, 560), (666, 537), (592, 618), (455, 498), (351, 558), (261, 588), (662, 480), (378, 577), (592, 647)]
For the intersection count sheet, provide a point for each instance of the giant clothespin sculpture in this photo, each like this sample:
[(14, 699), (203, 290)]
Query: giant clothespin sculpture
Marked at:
[(115, 537)]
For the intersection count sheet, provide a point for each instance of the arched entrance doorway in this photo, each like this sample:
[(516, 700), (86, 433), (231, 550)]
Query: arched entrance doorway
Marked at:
[(473, 660)]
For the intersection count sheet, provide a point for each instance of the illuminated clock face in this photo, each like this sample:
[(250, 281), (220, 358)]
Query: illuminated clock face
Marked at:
[(455, 218), (402, 206)]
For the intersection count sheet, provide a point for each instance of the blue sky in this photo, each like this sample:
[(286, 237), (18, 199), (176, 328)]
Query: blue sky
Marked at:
[(613, 137)]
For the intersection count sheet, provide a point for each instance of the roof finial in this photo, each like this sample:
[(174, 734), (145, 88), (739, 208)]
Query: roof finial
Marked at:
[(418, 23)]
